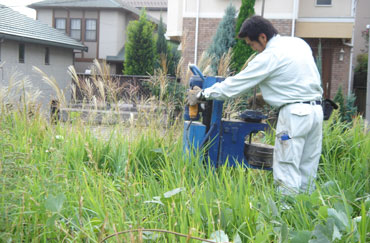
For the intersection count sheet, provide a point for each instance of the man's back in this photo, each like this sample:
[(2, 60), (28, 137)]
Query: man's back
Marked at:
[(293, 73)]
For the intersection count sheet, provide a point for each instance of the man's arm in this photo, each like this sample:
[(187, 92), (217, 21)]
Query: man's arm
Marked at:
[(256, 72)]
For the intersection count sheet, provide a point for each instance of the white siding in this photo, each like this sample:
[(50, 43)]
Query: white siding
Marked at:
[(112, 33), (45, 16)]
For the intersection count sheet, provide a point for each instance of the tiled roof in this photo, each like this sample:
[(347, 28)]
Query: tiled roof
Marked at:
[(101, 3), (77, 3), (16, 26), (146, 3), (113, 4)]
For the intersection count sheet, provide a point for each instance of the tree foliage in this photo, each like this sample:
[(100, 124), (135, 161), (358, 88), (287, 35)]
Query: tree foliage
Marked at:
[(241, 51), (347, 107), (350, 108), (173, 58), (161, 44), (166, 51), (339, 99), (224, 38), (140, 47)]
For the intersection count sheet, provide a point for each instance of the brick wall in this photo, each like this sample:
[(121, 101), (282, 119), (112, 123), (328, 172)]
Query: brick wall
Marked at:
[(283, 26), (207, 29), (339, 69), (208, 26)]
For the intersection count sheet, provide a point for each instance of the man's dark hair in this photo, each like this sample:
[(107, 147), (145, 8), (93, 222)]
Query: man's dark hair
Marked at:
[(256, 25)]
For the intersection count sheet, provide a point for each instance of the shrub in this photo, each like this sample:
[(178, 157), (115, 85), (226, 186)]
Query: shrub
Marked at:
[(241, 51), (140, 48), (224, 38)]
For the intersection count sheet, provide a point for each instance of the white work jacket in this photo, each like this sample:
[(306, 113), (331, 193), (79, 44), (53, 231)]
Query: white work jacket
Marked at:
[(285, 72)]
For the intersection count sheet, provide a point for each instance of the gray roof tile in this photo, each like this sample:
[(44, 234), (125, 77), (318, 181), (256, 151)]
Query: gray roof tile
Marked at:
[(146, 3), (14, 25), (101, 3), (77, 3)]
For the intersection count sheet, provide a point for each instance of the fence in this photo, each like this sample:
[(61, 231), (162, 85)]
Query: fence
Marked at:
[(122, 87)]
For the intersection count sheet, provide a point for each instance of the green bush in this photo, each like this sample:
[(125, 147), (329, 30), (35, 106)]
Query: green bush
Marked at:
[(140, 47), (241, 51), (224, 38)]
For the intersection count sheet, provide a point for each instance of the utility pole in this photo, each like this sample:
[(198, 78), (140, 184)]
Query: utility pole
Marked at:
[(367, 110)]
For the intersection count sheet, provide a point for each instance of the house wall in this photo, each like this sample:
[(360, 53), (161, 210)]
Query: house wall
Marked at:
[(112, 33), (339, 8), (158, 14), (339, 70), (45, 16), (211, 13), (60, 60), (362, 19)]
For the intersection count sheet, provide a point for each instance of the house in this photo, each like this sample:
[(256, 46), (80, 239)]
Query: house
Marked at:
[(25, 42), (98, 24), (328, 22), (361, 46)]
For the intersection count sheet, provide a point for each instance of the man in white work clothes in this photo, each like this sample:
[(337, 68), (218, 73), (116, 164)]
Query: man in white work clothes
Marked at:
[(287, 75)]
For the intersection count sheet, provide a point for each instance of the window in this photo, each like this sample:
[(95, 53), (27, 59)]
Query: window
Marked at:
[(323, 2), (90, 34), (76, 29), (60, 24), (47, 56), (21, 53)]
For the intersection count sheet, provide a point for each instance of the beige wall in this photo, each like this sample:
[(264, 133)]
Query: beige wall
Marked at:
[(175, 14), (324, 30), (362, 19), (177, 10), (112, 33), (45, 16), (339, 8), (158, 14)]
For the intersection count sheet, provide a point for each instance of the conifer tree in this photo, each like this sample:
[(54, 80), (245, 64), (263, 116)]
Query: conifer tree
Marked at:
[(161, 44), (339, 100), (224, 38), (241, 51), (173, 58), (350, 108), (140, 47)]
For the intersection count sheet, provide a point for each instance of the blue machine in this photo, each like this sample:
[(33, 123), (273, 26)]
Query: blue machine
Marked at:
[(222, 139)]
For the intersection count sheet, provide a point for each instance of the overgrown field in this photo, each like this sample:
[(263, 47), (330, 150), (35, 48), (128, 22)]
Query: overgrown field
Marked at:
[(62, 183)]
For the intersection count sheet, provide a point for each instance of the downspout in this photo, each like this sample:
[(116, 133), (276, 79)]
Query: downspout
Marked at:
[(294, 17), (196, 34), (349, 88)]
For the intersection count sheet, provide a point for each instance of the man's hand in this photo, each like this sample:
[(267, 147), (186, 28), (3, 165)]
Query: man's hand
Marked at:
[(193, 96)]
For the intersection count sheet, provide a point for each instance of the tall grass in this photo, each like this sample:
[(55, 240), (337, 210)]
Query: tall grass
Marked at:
[(64, 183)]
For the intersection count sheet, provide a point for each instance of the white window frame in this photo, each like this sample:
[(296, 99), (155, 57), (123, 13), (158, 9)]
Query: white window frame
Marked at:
[(65, 24), (75, 30), (90, 30)]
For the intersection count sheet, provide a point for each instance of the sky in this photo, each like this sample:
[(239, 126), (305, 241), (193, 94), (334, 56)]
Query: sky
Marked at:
[(20, 6)]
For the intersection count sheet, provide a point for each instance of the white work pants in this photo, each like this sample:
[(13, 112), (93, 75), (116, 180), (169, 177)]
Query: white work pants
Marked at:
[(297, 147)]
